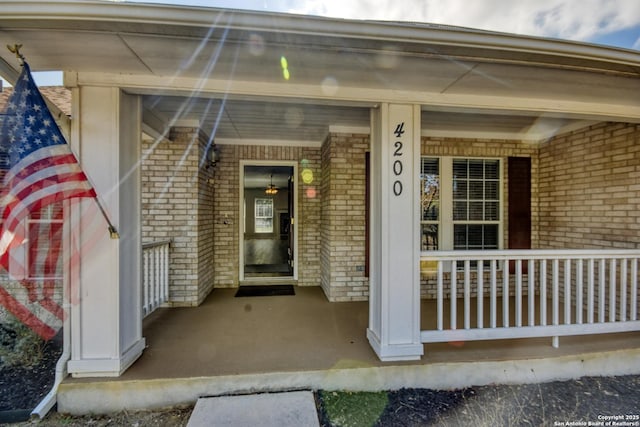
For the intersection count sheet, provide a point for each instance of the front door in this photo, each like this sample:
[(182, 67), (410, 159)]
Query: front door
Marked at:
[(268, 237)]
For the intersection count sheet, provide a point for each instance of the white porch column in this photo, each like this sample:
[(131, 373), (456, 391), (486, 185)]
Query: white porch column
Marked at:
[(105, 278), (394, 295)]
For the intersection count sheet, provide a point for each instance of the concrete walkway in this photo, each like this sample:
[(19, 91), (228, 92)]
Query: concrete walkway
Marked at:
[(293, 409)]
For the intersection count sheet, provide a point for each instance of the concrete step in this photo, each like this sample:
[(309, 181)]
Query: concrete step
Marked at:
[(291, 409)]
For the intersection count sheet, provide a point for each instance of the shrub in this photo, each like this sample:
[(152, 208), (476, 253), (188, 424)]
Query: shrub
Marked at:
[(19, 345)]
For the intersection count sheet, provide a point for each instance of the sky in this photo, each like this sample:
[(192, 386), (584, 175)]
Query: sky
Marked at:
[(607, 22)]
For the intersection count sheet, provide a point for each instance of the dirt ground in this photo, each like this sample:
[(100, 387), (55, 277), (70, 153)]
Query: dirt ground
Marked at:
[(580, 402)]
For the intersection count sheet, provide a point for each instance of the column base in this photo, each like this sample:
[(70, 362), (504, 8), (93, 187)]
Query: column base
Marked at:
[(394, 352), (106, 367)]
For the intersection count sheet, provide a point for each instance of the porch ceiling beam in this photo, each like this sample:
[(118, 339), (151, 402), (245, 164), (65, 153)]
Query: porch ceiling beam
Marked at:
[(184, 86), (153, 124)]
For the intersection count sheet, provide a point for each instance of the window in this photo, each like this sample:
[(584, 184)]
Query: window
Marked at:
[(460, 203), (476, 203), (263, 216), (44, 228), (40, 257), (430, 202)]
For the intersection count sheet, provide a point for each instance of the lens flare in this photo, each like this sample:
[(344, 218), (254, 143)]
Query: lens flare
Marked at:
[(256, 45), (284, 64), (329, 86), (311, 192), (307, 176), (293, 117)]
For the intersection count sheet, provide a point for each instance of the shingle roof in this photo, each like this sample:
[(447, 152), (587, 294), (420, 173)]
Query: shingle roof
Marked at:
[(59, 95)]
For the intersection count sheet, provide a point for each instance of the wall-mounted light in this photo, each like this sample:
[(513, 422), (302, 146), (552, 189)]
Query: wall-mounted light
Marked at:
[(213, 156)]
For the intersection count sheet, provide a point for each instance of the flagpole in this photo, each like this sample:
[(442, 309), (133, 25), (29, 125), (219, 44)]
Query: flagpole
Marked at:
[(113, 232)]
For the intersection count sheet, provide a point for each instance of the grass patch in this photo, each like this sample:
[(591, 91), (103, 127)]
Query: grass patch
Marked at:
[(354, 409)]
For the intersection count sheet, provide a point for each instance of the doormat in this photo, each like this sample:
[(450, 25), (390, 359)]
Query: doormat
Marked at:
[(265, 291)]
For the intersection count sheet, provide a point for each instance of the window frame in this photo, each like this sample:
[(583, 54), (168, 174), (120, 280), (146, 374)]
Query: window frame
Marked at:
[(19, 260), (50, 220), (446, 222), (431, 222), (256, 201)]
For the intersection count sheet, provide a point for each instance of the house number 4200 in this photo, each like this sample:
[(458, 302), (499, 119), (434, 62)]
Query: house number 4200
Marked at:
[(397, 162)]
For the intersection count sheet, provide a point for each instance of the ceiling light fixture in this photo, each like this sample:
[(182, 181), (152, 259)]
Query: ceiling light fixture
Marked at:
[(271, 189)]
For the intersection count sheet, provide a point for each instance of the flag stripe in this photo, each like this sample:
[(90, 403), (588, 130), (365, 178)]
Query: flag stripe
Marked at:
[(40, 154), (41, 170), (28, 318), (53, 192)]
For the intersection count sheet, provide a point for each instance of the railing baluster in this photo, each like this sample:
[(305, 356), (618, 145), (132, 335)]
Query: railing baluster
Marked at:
[(505, 293), (567, 291), (623, 289), (531, 271), (440, 297), (518, 293), (579, 290), (612, 289), (165, 271), (494, 292), (154, 279), (454, 298), (145, 283), (543, 292), (634, 289), (554, 292), (601, 284), (467, 294), (157, 282), (591, 290), (480, 296)]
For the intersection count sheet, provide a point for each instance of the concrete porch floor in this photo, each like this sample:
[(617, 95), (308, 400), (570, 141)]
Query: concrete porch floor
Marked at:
[(255, 344)]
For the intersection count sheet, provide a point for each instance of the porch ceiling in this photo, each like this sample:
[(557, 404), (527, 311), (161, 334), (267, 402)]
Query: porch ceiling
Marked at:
[(223, 68)]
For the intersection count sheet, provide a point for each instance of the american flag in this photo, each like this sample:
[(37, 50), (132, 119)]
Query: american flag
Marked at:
[(38, 171)]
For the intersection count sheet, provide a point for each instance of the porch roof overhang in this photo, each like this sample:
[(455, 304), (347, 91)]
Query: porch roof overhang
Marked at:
[(222, 69)]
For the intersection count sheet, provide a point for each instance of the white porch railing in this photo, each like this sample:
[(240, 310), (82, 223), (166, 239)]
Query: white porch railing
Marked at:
[(532, 293), (155, 275)]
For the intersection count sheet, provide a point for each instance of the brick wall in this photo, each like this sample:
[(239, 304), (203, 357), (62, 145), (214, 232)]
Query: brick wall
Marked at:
[(583, 195), (175, 200), (343, 217), (205, 222), (590, 194), (590, 188), (226, 210)]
